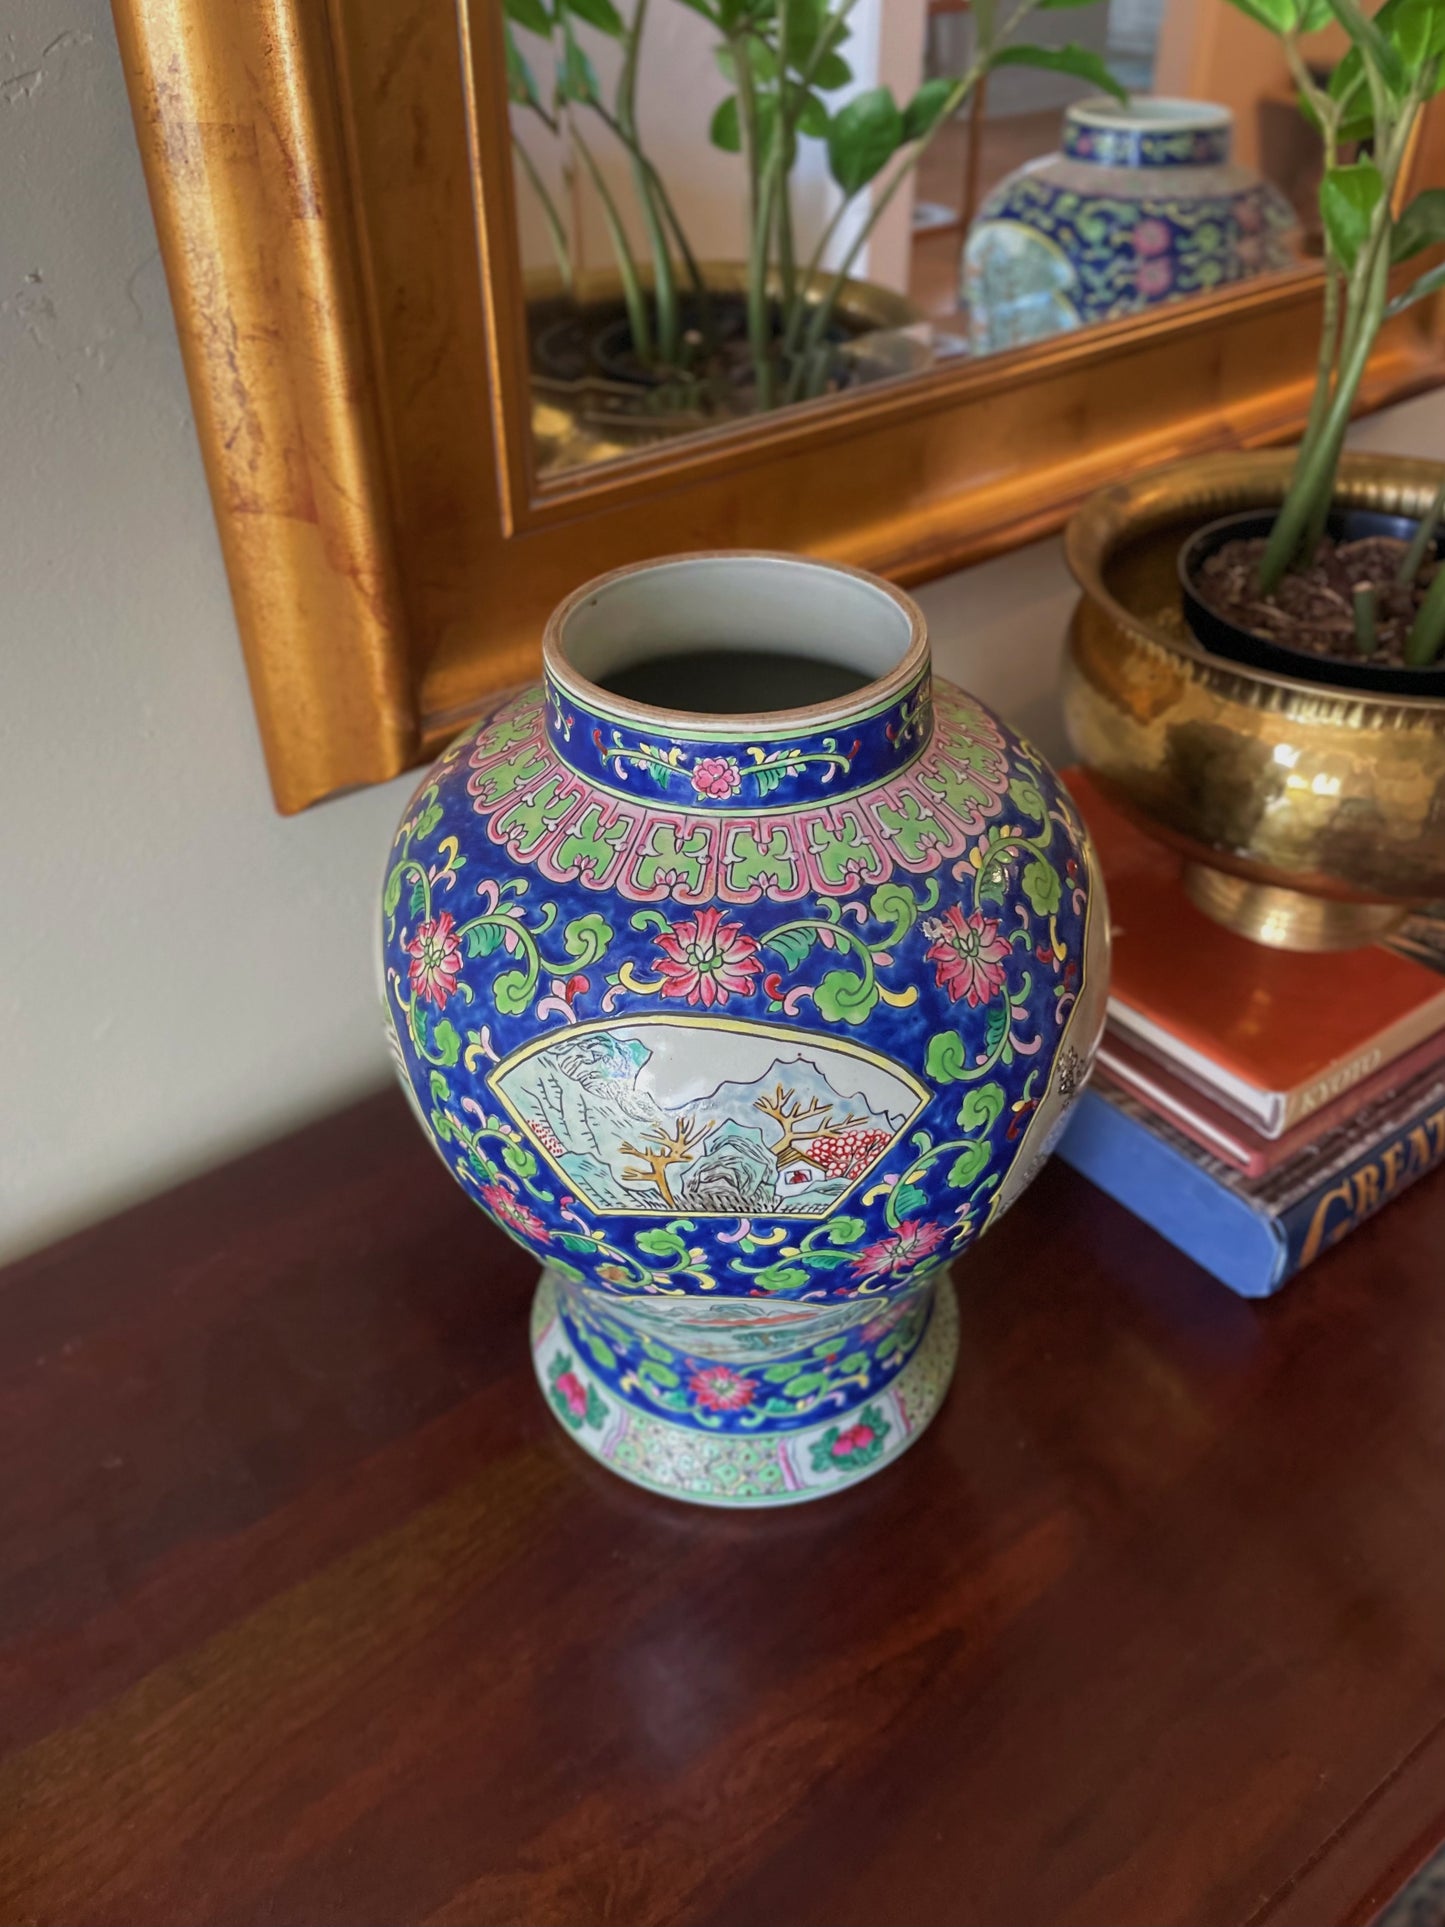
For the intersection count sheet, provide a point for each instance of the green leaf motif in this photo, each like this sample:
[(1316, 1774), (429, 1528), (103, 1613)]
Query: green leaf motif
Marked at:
[(586, 938), (1348, 199), (662, 1244), (1041, 886), (997, 1026), (793, 945), (1026, 797), (896, 906), (970, 1162), (446, 1042), (391, 896), (483, 939), (417, 902), (512, 992), (946, 1060), (1078, 61), (982, 1108), (440, 1089), (518, 1158), (600, 1350), (780, 1277), (844, 1231), (863, 137), (845, 999), (441, 1126), (573, 1241), (909, 1199), (428, 820)]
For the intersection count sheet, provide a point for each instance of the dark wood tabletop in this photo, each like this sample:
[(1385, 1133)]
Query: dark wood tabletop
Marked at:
[(309, 1612)]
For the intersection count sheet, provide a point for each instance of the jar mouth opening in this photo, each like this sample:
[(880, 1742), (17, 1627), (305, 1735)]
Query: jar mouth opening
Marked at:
[(1150, 114), (865, 636)]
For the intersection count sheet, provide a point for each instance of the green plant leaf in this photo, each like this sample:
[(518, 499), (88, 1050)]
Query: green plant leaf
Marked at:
[(1367, 38), (725, 126), (531, 14), (576, 77), (1078, 61), (1421, 225), (446, 1042), (922, 113), (1041, 886), (1278, 16), (1348, 198), (946, 1060), (831, 72), (598, 13), (982, 1108), (813, 121), (863, 137), (806, 21), (909, 1199), (1429, 283)]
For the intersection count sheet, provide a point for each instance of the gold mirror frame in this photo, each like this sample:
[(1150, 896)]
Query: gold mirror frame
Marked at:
[(331, 181)]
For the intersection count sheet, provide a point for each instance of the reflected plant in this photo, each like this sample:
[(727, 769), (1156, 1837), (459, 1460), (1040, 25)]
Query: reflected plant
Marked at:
[(786, 61), (1368, 110)]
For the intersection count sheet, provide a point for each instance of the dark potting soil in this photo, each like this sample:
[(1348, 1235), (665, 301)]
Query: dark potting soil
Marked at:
[(1313, 610), (730, 682)]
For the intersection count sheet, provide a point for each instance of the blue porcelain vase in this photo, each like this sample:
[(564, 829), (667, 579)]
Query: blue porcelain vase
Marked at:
[(1142, 206), (744, 975)]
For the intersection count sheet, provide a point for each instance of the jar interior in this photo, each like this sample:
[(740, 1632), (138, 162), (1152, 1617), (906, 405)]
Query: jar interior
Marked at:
[(724, 635)]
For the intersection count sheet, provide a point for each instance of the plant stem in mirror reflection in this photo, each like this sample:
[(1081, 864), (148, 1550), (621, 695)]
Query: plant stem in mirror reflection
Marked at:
[(791, 82)]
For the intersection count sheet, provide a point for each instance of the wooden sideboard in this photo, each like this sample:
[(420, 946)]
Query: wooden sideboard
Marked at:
[(309, 1612)]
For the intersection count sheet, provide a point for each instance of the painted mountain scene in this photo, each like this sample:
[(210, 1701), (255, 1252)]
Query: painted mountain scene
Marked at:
[(668, 1116)]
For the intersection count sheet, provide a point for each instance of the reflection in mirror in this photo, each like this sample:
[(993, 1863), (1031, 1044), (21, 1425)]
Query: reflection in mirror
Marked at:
[(730, 207)]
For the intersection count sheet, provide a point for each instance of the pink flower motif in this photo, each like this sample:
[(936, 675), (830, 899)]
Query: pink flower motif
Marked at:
[(572, 1392), (1249, 214), (708, 959), (1151, 237), (436, 960), (901, 1251), (968, 955), (505, 1205), (717, 1388), (717, 776), (1154, 278), (854, 1439)]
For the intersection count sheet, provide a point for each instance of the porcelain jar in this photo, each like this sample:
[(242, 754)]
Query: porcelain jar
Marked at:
[(744, 1019), (1142, 206)]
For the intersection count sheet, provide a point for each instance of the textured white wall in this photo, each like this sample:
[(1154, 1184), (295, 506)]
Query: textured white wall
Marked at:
[(182, 972)]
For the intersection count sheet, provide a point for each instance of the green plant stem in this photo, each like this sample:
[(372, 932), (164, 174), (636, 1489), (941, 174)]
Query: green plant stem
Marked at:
[(1420, 542), (664, 283), (1364, 607), (626, 265), (1427, 635), (556, 232), (760, 219)]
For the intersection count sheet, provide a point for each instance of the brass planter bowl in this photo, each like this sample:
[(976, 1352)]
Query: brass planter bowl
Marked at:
[(1309, 817)]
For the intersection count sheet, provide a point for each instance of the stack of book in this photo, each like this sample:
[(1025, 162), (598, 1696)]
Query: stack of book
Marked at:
[(1252, 1105)]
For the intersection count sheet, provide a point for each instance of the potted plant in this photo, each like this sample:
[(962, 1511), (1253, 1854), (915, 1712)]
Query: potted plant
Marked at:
[(672, 338), (1320, 589), (1266, 692)]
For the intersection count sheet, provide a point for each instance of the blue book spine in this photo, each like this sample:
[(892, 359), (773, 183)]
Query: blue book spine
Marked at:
[(1237, 1237)]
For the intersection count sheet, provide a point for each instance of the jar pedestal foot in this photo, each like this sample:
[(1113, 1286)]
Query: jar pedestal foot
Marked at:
[(1287, 919), (671, 1394)]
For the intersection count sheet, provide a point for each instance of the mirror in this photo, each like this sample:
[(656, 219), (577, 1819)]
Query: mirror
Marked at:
[(728, 208)]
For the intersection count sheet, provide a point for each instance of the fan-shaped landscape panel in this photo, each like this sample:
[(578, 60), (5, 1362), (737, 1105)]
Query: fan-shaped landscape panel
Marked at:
[(706, 1117)]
